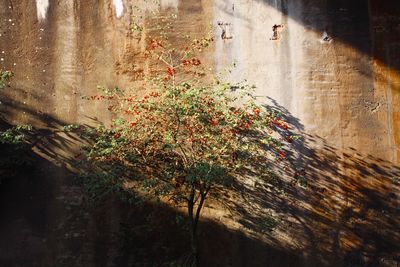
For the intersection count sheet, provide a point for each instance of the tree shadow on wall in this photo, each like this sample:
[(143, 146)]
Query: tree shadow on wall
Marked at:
[(323, 207), (46, 219), (334, 207)]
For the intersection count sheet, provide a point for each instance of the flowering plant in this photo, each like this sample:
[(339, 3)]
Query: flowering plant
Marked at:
[(186, 137)]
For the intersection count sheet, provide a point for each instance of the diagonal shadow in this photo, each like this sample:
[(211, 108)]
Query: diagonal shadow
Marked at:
[(325, 207), (334, 207)]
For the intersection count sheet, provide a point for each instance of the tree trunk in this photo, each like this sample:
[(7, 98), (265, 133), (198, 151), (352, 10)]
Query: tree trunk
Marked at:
[(194, 221), (193, 230)]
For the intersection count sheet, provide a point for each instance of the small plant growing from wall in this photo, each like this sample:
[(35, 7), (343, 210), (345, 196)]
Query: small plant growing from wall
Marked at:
[(182, 140), (4, 78)]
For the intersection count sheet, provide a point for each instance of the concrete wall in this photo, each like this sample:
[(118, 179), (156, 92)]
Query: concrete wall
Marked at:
[(341, 94)]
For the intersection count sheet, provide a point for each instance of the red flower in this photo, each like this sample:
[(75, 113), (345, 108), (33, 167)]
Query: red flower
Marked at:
[(280, 124), (171, 71), (154, 94), (195, 62), (154, 43)]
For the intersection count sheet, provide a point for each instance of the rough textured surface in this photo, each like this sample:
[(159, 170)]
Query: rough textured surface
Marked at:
[(333, 69)]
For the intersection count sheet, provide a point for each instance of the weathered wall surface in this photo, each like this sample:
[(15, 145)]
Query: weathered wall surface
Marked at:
[(340, 94), (327, 85), (332, 68)]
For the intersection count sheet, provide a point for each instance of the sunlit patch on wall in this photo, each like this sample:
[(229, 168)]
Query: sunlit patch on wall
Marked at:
[(169, 3), (41, 8), (119, 7)]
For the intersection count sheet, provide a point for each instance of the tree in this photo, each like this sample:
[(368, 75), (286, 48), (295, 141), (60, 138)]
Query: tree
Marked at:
[(185, 138)]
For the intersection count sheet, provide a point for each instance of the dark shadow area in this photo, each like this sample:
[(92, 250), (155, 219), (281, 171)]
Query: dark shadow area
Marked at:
[(321, 207), (38, 194), (27, 204), (46, 220)]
